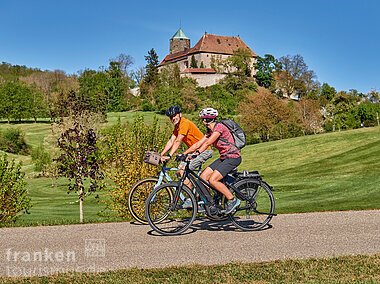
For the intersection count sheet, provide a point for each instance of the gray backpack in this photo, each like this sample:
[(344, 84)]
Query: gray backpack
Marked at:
[(236, 132)]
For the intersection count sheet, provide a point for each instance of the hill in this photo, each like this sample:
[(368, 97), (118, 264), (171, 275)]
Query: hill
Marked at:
[(333, 171)]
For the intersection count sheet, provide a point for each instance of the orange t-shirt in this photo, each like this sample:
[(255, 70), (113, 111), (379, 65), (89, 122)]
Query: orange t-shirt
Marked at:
[(189, 130)]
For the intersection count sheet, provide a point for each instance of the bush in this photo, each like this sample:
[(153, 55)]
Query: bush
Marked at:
[(13, 193), (13, 141), (41, 159), (123, 149)]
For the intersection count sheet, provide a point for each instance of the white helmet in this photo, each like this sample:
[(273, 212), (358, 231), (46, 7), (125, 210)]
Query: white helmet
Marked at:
[(208, 113)]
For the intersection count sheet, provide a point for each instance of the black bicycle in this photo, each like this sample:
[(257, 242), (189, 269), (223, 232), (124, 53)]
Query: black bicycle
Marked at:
[(167, 215)]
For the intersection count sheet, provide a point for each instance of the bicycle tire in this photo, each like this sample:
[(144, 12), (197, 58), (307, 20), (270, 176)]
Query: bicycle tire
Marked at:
[(163, 217), (256, 212), (137, 196)]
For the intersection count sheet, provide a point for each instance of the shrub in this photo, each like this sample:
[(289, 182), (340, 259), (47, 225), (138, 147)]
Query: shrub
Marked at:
[(41, 159), (12, 141), (123, 150), (13, 194)]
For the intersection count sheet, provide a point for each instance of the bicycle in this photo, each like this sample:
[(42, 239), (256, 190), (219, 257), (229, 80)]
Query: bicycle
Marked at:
[(254, 213), (141, 189)]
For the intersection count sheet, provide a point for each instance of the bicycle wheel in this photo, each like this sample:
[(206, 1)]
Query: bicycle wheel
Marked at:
[(167, 216), (256, 211), (137, 196)]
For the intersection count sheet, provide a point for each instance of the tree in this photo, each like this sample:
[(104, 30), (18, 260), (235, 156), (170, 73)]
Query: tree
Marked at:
[(194, 63), (240, 63), (151, 68), (93, 85), (327, 94), (295, 78), (117, 88), (124, 62), (13, 193), (79, 159), (264, 70), (265, 117)]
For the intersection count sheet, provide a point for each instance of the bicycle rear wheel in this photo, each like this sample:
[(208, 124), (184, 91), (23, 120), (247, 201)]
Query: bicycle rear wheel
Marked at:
[(167, 216), (137, 197), (257, 208)]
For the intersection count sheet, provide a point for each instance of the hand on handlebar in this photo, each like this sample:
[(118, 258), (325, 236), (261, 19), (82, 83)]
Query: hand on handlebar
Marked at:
[(164, 159)]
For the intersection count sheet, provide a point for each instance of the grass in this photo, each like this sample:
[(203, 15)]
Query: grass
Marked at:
[(333, 171), (345, 269)]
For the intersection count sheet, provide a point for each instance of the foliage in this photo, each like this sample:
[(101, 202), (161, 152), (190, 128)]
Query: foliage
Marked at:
[(151, 70), (193, 63), (20, 101), (12, 140), (264, 117), (123, 149), (79, 157), (117, 87), (13, 194), (264, 70), (41, 159), (295, 78)]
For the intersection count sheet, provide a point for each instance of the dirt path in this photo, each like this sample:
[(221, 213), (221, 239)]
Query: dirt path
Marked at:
[(100, 247)]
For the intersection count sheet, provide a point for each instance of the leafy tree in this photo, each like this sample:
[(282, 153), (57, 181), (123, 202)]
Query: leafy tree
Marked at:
[(202, 65), (93, 86), (13, 193), (295, 78), (265, 117), (264, 70), (117, 88), (240, 63), (327, 94), (193, 63), (79, 159)]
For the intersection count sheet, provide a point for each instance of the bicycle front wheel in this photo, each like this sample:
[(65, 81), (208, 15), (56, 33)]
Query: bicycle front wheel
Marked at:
[(168, 216), (257, 208), (137, 197)]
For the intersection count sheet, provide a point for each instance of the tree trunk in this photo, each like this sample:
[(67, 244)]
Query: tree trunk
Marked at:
[(81, 206)]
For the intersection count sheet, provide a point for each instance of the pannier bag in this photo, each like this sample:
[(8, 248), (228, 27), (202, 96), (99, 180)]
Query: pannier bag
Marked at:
[(152, 158)]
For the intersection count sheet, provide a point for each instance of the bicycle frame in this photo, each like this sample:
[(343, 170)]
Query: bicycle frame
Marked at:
[(200, 186)]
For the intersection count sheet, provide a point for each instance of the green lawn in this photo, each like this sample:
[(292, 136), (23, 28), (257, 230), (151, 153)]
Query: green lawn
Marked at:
[(333, 171)]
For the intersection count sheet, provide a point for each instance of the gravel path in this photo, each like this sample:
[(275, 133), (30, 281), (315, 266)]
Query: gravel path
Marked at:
[(99, 247)]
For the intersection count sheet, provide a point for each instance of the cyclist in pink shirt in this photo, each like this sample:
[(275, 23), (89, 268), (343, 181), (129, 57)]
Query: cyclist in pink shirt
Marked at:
[(219, 136)]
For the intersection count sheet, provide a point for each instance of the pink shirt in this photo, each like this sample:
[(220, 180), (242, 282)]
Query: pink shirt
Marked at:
[(226, 150)]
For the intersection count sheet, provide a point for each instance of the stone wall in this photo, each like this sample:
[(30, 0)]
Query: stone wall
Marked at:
[(205, 80)]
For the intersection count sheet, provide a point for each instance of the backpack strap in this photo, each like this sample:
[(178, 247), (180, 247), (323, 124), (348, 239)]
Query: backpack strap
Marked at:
[(230, 151)]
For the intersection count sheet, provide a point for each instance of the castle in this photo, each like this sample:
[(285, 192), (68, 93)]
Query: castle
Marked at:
[(201, 62)]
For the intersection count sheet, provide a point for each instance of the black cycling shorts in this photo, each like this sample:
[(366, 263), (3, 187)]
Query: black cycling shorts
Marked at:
[(225, 166)]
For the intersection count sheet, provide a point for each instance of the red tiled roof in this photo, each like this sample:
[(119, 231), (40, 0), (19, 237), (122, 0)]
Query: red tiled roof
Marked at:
[(211, 44), (219, 44), (199, 70)]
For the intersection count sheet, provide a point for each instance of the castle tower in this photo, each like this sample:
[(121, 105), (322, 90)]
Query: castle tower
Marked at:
[(179, 42)]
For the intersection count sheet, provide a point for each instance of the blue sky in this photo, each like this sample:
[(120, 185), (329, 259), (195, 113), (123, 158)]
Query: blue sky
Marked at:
[(338, 39)]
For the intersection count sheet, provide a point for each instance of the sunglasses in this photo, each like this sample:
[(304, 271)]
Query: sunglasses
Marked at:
[(207, 119)]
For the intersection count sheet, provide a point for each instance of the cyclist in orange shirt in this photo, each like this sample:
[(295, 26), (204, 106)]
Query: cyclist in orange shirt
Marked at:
[(184, 131)]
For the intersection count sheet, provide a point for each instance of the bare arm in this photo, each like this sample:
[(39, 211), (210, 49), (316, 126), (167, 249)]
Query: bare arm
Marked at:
[(176, 144), (214, 136), (168, 145), (196, 146)]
